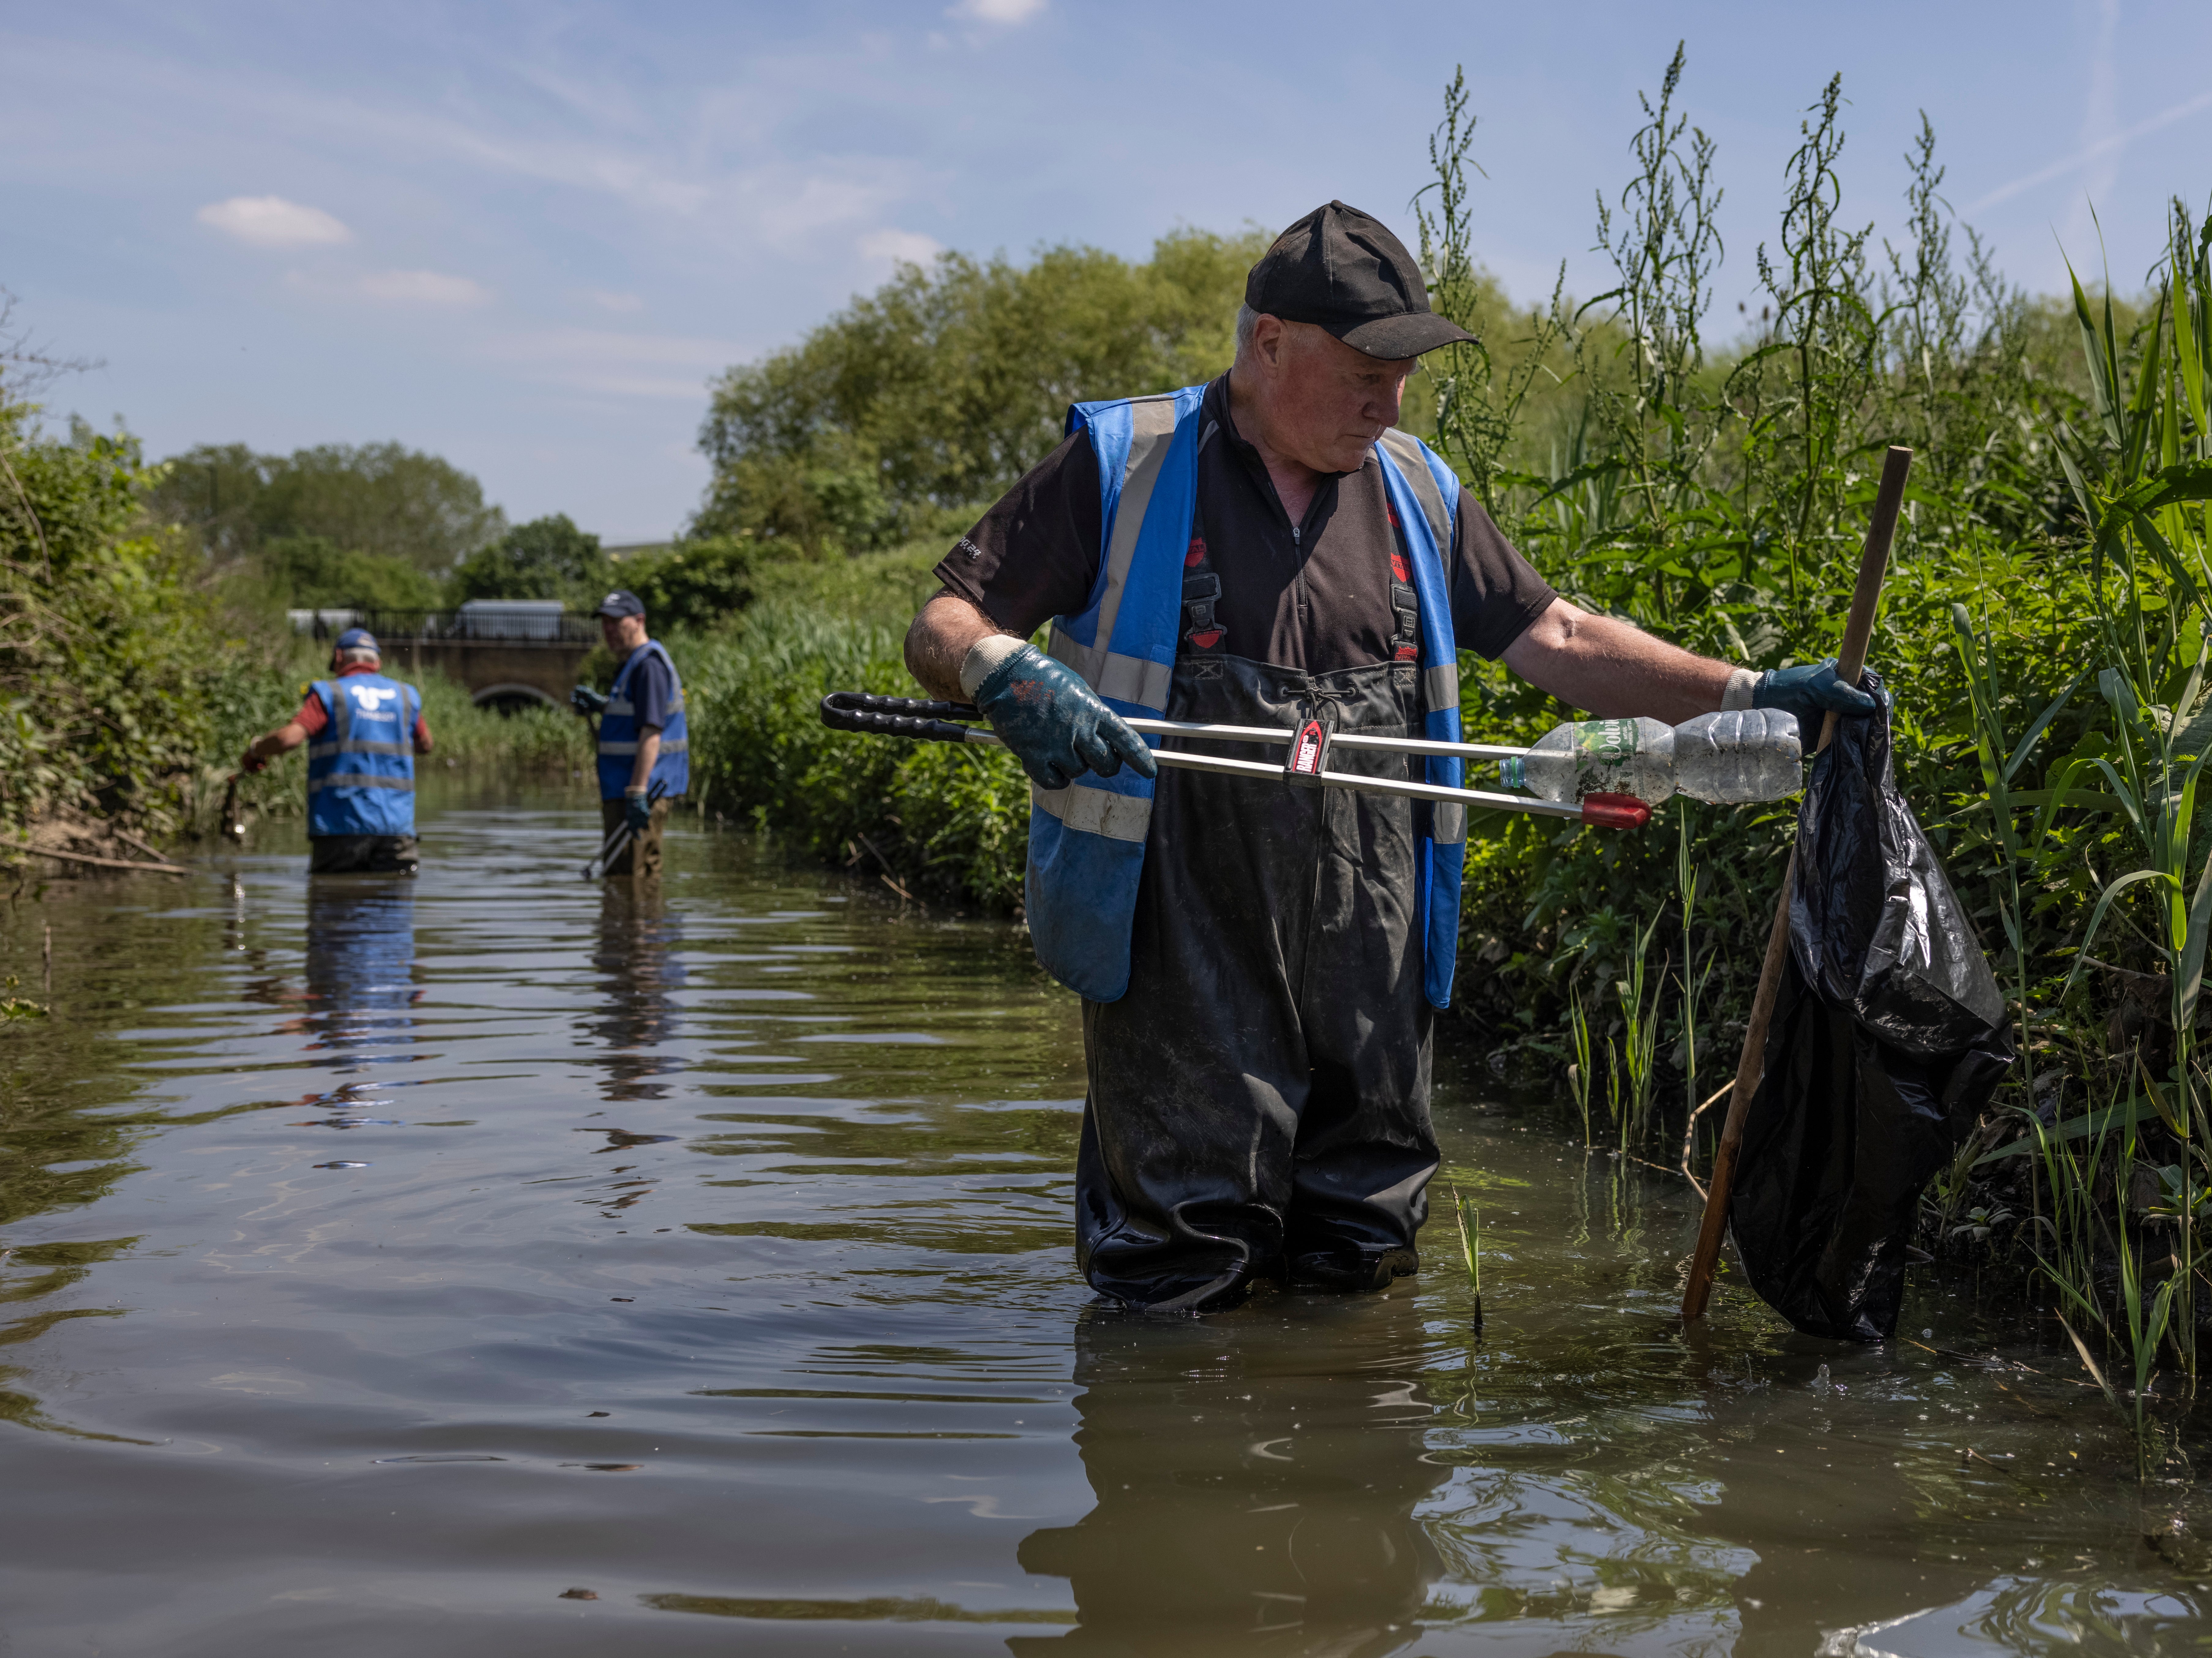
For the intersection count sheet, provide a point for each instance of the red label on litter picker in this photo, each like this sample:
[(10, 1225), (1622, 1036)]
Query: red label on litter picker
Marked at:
[(1309, 754)]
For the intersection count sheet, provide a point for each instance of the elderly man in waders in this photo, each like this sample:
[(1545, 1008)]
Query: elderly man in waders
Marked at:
[(1260, 966), (362, 732), (645, 758)]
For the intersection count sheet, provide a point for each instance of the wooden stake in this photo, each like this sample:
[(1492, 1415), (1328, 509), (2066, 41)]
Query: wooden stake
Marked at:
[(1851, 661)]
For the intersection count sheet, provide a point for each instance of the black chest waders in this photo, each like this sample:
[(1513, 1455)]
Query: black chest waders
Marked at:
[(1259, 1099)]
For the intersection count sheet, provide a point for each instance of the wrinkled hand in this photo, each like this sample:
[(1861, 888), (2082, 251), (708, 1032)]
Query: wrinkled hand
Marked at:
[(637, 813), (250, 762), (584, 700), (1054, 724), (1811, 691)]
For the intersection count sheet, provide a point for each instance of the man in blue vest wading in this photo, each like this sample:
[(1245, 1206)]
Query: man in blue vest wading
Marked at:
[(644, 740), (1260, 965), (362, 732)]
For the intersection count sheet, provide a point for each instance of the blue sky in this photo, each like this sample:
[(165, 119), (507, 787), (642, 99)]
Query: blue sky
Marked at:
[(524, 236)]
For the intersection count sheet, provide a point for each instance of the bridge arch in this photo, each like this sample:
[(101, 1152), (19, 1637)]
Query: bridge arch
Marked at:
[(510, 695)]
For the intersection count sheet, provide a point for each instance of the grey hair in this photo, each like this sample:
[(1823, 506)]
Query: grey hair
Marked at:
[(360, 654), (1248, 323)]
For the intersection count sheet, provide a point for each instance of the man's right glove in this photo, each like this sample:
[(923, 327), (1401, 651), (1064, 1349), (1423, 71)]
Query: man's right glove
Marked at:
[(637, 811), (584, 700), (1054, 724)]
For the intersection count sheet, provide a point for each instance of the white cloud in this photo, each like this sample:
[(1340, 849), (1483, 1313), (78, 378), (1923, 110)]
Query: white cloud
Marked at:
[(423, 287), (996, 11), (902, 246), (272, 222), (608, 300)]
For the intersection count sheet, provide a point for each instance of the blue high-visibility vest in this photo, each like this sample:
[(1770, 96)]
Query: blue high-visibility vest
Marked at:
[(1087, 841), (619, 731), (361, 766)]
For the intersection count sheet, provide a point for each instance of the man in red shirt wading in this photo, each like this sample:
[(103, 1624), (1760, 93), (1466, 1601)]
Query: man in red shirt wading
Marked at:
[(363, 732)]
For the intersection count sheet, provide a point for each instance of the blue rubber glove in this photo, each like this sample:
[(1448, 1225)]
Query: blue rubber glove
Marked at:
[(1054, 724), (584, 700), (1810, 691), (637, 813)]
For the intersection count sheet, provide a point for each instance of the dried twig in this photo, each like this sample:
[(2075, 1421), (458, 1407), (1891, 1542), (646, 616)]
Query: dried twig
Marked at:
[(103, 862), (1689, 1131)]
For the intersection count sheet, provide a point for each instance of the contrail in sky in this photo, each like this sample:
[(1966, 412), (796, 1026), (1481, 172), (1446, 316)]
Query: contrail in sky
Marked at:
[(2102, 146)]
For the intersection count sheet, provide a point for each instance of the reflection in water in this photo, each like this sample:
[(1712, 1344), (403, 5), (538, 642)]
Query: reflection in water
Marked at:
[(635, 961), (811, 1386), (362, 985), (1255, 1475)]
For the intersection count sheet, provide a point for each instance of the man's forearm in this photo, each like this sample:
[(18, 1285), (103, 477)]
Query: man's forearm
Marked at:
[(937, 644), (1614, 669), (649, 751), (283, 740)]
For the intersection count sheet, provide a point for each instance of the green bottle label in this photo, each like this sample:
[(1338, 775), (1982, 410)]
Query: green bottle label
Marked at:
[(1606, 742)]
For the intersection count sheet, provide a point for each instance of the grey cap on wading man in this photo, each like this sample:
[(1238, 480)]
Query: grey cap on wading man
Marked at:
[(1341, 270)]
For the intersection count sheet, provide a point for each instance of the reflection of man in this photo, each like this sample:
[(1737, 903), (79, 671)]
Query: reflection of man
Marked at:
[(637, 970), (644, 743), (1253, 1481), (360, 974), (363, 732)]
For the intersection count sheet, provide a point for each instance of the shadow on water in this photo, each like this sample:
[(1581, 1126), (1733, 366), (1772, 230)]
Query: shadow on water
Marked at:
[(499, 1262)]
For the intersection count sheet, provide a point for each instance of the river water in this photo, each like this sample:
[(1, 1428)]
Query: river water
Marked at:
[(501, 1263)]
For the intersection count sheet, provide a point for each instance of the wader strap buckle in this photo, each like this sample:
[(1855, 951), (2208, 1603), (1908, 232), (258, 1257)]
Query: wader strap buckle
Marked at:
[(1201, 591)]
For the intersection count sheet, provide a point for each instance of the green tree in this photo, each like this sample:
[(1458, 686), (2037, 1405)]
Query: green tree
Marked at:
[(545, 558), (938, 390), (372, 497), (313, 572)]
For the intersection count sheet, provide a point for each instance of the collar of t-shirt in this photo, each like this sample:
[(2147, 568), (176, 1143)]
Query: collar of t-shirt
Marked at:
[(1214, 406)]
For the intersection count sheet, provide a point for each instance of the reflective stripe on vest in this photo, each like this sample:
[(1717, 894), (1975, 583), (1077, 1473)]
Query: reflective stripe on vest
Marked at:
[(361, 769), (1087, 841), (618, 733)]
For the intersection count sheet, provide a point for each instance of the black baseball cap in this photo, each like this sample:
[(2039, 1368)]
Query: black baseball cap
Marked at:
[(1341, 270), (620, 603)]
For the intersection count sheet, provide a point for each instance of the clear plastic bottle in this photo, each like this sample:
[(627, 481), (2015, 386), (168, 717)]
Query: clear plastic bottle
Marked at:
[(1747, 754)]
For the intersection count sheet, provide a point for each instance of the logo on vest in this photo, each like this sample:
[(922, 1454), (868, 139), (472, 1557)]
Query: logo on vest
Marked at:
[(368, 699)]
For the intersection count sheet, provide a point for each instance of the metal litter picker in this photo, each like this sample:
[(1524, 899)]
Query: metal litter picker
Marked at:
[(1309, 742)]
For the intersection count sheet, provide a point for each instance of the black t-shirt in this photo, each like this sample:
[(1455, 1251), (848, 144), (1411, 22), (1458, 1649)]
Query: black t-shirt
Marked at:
[(1316, 598), (651, 690)]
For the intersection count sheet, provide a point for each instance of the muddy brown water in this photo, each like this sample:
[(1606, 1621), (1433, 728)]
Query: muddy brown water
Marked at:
[(499, 1263)]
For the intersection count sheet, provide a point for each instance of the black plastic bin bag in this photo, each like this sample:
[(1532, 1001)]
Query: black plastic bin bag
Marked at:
[(1888, 1036)]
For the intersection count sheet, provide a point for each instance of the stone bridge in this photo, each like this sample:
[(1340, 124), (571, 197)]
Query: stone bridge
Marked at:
[(511, 653)]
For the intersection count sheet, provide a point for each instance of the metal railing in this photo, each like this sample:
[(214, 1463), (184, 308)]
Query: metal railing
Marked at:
[(489, 626)]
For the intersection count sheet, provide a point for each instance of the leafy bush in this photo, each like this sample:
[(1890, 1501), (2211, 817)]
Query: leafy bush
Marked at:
[(695, 585)]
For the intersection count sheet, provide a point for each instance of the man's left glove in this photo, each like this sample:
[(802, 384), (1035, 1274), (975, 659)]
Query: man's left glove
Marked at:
[(1811, 691), (637, 811), (584, 700), (1055, 723)]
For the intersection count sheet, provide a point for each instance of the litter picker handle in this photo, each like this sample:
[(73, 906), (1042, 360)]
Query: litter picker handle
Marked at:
[(1615, 811), (1851, 662)]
